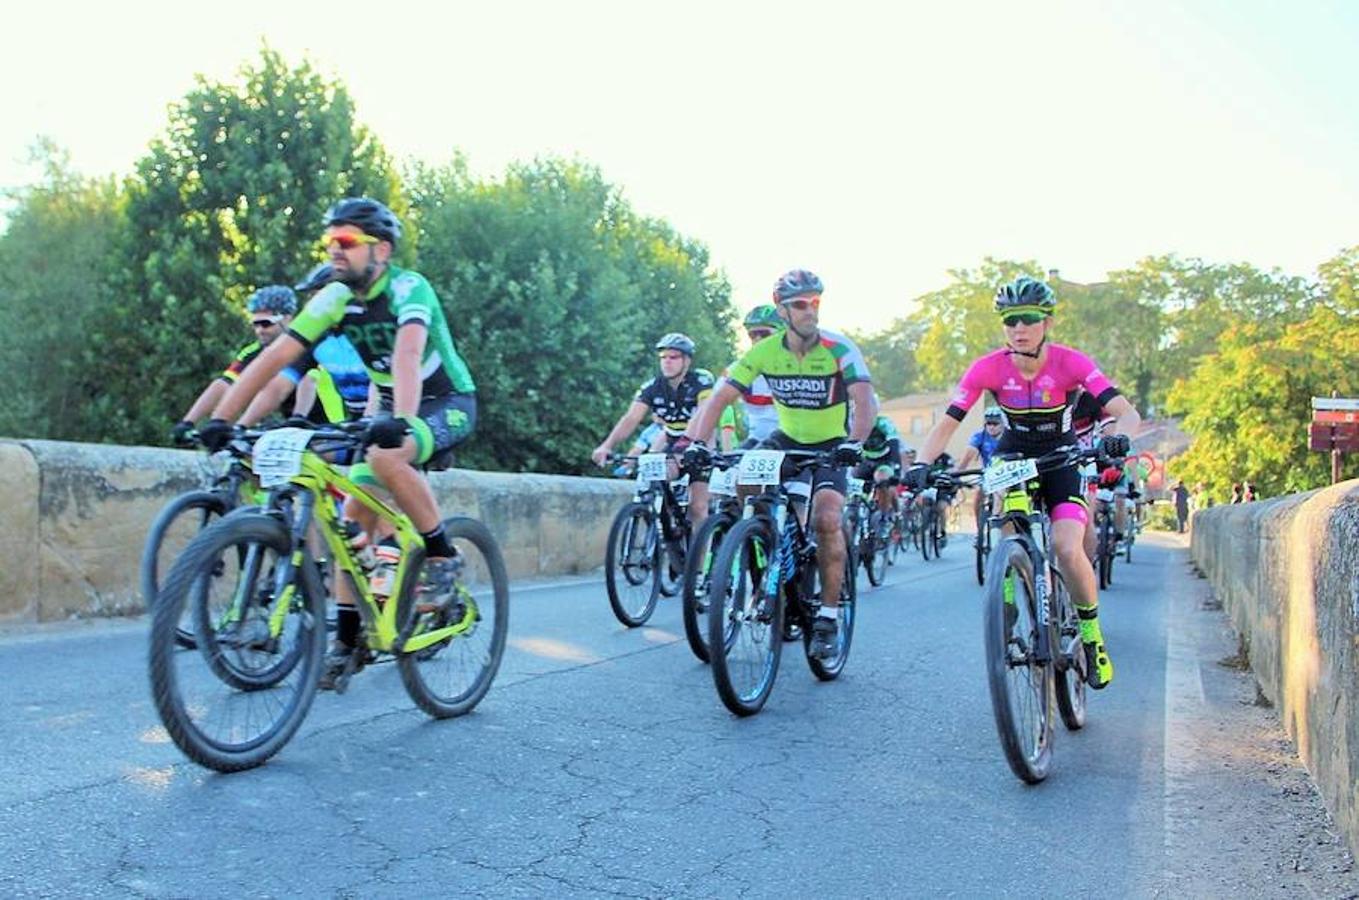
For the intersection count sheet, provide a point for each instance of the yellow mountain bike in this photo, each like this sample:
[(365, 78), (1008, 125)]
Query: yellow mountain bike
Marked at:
[(256, 597)]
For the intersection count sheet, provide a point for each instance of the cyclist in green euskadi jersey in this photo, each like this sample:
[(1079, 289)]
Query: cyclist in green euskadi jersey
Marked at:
[(427, 397), (813, 375)]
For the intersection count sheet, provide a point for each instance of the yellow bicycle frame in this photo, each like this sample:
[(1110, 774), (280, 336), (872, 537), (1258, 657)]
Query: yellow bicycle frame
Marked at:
[(320, 478)]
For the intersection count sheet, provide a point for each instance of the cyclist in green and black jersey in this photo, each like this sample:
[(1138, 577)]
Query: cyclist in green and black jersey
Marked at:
[(427, 396)]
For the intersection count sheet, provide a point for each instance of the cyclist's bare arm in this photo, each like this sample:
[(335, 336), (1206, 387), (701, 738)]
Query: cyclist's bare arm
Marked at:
[(406, 383), (865, 406), (268, 399), (278, 354), (968, 458), (937, 439), (626, 425), (305, 398), (1129, 419), (206, 400), (706, 416)]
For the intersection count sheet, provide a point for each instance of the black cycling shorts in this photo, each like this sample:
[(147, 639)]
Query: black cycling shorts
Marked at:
[(831, 477)]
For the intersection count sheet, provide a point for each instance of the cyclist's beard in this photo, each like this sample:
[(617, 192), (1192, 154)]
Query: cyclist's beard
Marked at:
[(360, 279), (806, 337)]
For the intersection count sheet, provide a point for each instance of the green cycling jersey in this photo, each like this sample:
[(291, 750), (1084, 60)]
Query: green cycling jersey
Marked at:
[(810, 392), (370, 323)]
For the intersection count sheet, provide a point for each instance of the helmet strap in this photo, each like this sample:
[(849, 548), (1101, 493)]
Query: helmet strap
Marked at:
[(1035, 354)]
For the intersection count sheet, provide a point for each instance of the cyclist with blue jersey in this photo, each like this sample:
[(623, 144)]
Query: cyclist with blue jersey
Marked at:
[(982, 446)]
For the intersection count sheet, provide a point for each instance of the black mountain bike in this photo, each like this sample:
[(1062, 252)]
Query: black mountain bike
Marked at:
[(225, 488), (1106, 542), (766, 572), (645, 556), (868, 529), (1031, 634), (703, 550)]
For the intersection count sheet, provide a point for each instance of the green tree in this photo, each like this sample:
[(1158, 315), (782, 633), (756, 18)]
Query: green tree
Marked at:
[(54, 259), (891, 356), (1248, 405), (556, 291), (959, 322), (230, 198)]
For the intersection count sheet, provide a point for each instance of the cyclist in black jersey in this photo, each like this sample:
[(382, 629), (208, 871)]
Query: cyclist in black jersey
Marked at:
[(673, 397), (272, 309)]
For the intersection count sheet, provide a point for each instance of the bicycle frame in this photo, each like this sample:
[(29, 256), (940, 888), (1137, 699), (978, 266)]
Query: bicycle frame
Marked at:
[(315, 491)]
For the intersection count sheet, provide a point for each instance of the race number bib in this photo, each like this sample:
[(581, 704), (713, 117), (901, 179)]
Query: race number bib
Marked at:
[(278, 455), (1000, 476), (855, 486), (760, 467), (722, 482), (1104, 495), (651, 467)]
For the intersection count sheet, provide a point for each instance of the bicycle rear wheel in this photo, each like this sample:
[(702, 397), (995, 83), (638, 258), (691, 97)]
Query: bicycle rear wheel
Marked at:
[(927, 516), (1069, 662), (236, 700), (745, 634), (1021, 686), (632, 564), (982, 550), (829, 669), (698, 578), (876, 549), (450, 676), (173, 528)]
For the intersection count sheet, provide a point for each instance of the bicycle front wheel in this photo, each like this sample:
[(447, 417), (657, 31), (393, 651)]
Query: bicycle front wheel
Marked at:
[(1106, 553), (173, 528), (876, 561), (632, 564), (745, 618), (927, 547), (237, 699), (1020, 685), (451, 647)]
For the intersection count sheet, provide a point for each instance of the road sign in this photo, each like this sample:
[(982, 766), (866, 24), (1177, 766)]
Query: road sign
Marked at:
[(1330, 416), (1342, 436), (1349, 403)]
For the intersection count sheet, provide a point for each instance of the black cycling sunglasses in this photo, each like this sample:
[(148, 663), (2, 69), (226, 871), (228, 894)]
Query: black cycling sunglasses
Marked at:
[(1030, 318)]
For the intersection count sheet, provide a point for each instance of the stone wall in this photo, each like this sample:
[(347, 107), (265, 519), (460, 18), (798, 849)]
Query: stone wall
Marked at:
[(74, 518), (1287, 572)]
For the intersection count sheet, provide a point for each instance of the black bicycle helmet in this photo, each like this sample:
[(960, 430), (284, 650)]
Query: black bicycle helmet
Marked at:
[(278, 299), (368, 215), (1023, 294), (676, 341), (320, 276), (795, 283)]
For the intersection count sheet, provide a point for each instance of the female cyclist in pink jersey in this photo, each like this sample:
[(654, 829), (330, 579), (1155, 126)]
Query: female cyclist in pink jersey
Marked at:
[(1036, 384)]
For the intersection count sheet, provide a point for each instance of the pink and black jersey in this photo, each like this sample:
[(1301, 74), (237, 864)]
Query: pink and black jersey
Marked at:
[(1038, 410)]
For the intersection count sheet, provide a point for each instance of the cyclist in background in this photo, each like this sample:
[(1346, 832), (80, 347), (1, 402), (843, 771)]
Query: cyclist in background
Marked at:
[(881, 466), (982, 446), (271, 309), (674, 396), (761, 417)]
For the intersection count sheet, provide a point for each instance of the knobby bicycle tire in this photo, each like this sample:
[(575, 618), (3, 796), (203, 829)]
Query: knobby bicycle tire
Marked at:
[(209, 506), (635, 533), (482, 657), (168, 689), (829, 669), (1069, 668), (737, 601), (1027, 746), (697, 578)]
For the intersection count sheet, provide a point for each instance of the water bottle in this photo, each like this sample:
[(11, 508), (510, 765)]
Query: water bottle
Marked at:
[(386, 558)]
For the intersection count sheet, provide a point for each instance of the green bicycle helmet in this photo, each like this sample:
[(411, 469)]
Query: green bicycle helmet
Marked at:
[(1025, 294), (764, 316)]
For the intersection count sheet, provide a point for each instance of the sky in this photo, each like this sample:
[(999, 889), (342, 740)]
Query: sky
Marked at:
[(879, 144)]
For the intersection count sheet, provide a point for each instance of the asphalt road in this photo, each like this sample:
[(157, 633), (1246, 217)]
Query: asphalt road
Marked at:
[(603, 764)]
